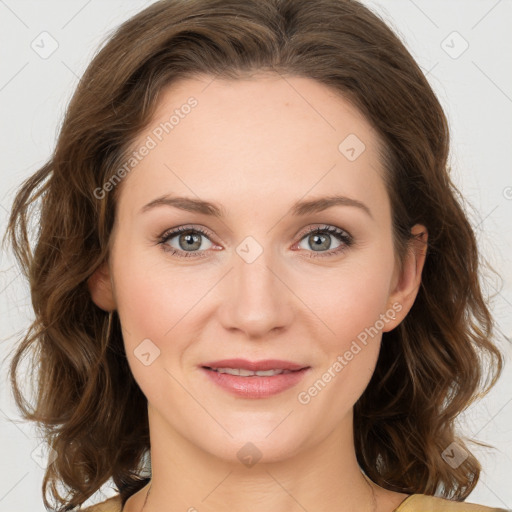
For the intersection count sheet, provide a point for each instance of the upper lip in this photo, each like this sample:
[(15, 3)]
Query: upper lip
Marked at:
[(266, 364)]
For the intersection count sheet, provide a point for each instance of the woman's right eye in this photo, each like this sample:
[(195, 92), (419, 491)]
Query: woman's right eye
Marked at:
[(186, 238)]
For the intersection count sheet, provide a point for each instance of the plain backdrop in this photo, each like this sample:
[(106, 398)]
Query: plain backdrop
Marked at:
[(463, 46)]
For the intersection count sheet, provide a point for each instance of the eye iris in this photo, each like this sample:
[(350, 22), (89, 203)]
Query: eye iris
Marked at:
[(318, 243), (190, 240)]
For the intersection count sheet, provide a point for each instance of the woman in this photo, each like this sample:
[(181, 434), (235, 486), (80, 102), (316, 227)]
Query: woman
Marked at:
[(253, 268)]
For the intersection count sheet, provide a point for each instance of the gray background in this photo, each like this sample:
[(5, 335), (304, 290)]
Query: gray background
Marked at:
[(474, 85)]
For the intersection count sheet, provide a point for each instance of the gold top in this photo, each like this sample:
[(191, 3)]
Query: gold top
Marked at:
[(414, 503)]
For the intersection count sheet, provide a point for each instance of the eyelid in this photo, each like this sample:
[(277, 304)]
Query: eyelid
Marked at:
[(323, 227), (186, 227)]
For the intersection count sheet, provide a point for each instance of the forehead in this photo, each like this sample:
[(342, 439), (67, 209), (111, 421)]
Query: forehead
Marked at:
[(243, 141)]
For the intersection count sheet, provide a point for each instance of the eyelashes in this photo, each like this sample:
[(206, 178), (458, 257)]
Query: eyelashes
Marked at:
[(193, 233), (314, 236), (320, 234)]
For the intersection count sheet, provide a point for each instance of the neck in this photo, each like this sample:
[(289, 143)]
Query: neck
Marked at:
[(323, 476)]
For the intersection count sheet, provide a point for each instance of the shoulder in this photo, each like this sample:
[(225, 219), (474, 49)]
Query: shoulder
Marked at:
[(113, 504), (424, 503)]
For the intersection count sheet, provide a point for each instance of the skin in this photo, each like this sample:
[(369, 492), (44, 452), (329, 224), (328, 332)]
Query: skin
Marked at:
[(255, 146)]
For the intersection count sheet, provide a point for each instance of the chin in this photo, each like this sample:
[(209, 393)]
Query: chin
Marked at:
[(255, 445)]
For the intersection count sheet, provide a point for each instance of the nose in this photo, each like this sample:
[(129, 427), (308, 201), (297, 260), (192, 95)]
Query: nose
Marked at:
[(255, 298)]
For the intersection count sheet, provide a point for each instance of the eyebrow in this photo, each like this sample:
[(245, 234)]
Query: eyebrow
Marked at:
[(299, 208)]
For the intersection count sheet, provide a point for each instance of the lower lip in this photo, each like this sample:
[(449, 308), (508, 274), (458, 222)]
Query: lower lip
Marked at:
[(254, 386)]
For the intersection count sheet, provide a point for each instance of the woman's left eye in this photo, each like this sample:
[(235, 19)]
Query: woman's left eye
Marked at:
[(320, 237), (190, 243)]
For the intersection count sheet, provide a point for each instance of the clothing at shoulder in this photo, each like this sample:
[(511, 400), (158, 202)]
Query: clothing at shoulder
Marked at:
[(424, 503), (414, 503), (113, 504)]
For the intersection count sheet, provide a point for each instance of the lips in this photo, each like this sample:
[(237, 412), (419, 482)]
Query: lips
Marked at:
[(254, 366), (254, 379)]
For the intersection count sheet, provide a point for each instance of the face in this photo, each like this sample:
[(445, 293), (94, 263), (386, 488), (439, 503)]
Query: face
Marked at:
[(256, 282)]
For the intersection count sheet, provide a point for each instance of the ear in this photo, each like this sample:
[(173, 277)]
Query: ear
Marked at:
[(101, 288), (406, 285)]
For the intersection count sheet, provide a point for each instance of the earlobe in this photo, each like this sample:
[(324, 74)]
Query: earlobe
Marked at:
[(101, 288), (409, 282)]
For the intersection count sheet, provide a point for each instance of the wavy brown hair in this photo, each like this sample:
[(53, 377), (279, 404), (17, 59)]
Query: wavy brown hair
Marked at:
[(430, 368)]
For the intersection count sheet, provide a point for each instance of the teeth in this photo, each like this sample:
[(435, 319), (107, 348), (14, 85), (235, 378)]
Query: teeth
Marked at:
[(248, 373)]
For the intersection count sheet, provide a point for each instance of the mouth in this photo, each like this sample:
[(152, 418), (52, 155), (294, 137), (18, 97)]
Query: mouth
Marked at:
[(260, 379), (242, 372)]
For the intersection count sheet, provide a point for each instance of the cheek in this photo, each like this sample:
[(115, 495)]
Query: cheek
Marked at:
[(350, 305), (160, 309), (350, 299), (151, 296), (150, 310)]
